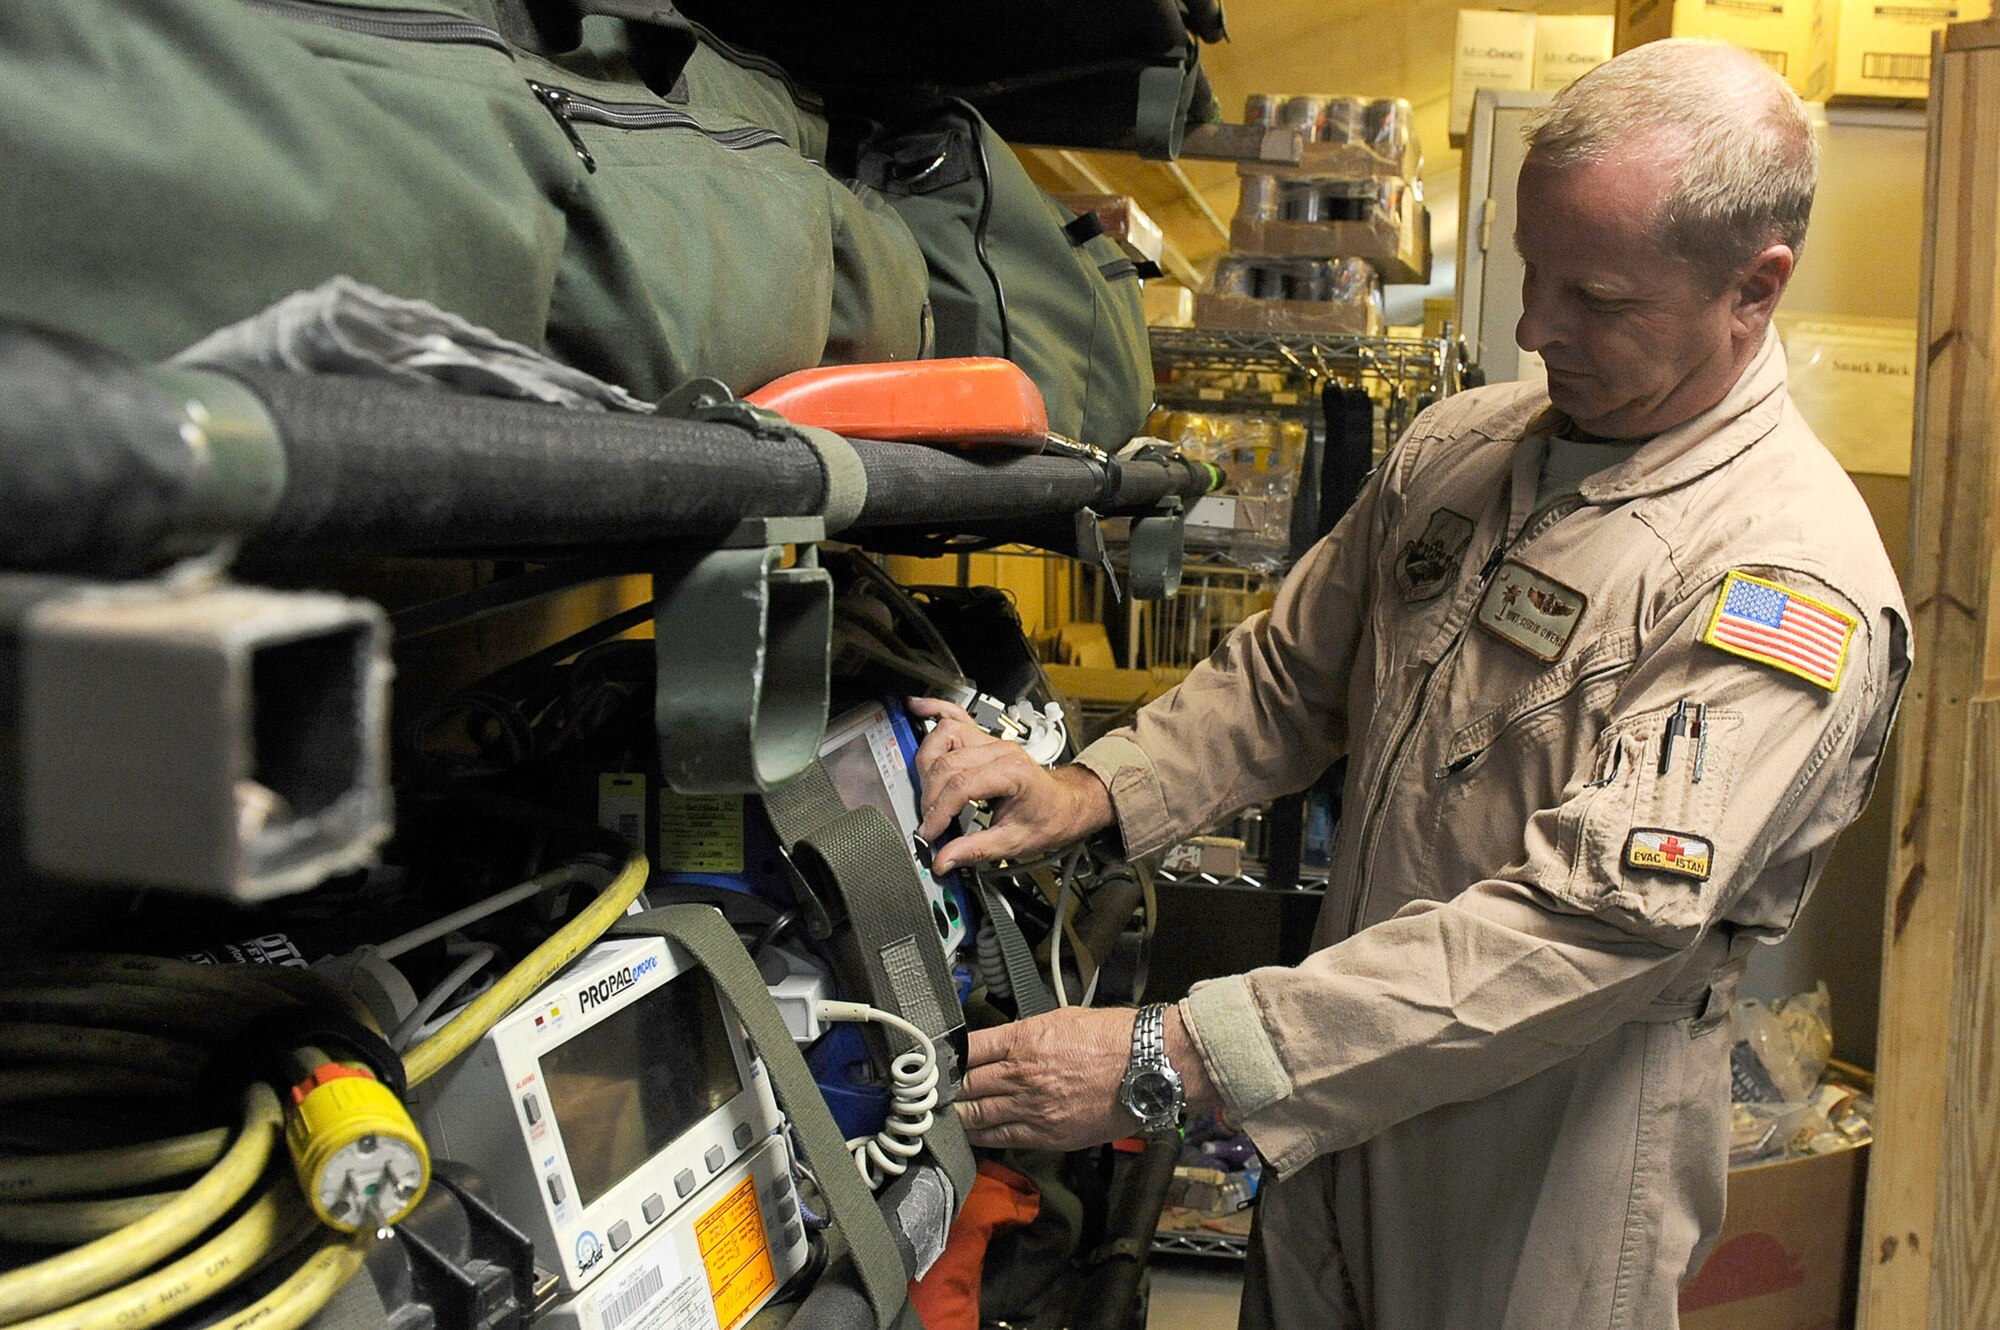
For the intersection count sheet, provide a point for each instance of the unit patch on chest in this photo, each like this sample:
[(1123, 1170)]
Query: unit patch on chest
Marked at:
[(1430, 563), (1535, 613)]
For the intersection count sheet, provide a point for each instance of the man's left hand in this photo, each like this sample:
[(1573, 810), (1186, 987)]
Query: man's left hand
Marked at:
[(1051, 1082)]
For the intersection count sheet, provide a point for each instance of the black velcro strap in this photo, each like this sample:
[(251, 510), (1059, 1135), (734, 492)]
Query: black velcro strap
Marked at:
[(1084, 229), (260, 1048)]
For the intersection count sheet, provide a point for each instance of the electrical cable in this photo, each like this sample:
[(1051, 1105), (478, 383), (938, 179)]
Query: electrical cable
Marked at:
[(37, 1042), (62, 1223), (270, 1225), (534, 970), (1056, 930), (213, 1004), (50, 1081), (773, 930), (31, 1177), (477, 957), (306, 1290), (472, 914), (51, 1283), (992, 961), (913, 1096)]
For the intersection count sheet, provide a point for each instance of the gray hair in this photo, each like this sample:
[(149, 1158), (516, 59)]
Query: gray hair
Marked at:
[(1748, 159)]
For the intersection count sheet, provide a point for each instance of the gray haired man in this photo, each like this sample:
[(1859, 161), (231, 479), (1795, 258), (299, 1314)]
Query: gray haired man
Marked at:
[(1612, 661)]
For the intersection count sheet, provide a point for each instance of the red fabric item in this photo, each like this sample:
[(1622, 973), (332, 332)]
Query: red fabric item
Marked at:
[(947, 1297)]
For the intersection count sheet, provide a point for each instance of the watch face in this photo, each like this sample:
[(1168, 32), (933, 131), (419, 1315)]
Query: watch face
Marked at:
[(1151, 1095)]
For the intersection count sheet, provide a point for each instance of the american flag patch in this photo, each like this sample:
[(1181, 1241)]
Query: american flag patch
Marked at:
[(1775, 625)]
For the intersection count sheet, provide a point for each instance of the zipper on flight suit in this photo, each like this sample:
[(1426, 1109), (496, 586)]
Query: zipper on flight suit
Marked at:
[(1413, 713)]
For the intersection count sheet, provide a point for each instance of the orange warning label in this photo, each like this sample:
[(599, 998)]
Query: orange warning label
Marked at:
[(737, 1254)]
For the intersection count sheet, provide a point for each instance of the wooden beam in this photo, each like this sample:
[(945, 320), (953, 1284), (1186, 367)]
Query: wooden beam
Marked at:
[(1199, 199), (1081, 177), (1934, 1180)]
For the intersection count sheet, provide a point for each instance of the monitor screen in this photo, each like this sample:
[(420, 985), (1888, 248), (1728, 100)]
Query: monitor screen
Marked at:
[(624, 1089), (855, 775)]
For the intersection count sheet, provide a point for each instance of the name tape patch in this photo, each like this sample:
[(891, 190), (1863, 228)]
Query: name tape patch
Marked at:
[(1535, 613), (1774, 625), (1669, 852)]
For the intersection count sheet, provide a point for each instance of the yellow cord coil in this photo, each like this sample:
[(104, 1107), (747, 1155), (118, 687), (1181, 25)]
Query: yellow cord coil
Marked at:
[(62, 1015)]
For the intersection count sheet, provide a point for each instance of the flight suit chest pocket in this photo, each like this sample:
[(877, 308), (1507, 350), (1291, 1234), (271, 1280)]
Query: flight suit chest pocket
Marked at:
[(1558, 696), (1513, 758)]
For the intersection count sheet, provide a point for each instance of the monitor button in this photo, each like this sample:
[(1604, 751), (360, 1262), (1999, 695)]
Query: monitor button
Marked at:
[(794, 1234), (532, 1106), (787, 1208), (619, 1234), (684, 1181), (713, 1158), (557, 1192), (743, 1135), (652, 1207)]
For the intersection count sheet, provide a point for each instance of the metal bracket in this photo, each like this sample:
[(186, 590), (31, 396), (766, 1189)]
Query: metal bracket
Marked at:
[(711, 400), (1158, 550), (743, 649)]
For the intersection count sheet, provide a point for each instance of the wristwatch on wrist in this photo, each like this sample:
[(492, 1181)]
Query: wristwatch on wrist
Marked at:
[(1151, 1090)]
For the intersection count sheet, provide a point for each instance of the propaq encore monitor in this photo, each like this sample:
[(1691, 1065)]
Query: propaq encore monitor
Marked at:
[(596, 1109)]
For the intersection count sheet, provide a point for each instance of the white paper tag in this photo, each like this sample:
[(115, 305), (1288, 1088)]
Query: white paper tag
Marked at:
[(649, 1292), (621, 805)]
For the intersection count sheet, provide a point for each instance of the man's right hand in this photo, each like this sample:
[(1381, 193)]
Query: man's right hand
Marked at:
[(1034, 810)]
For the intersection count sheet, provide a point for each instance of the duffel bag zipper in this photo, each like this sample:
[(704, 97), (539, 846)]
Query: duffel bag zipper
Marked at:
[(404, 25), (571, 109), (803, 98)]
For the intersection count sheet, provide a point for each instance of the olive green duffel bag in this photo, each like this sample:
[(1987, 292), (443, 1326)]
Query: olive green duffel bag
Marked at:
[(1014, 274), (173, 168)]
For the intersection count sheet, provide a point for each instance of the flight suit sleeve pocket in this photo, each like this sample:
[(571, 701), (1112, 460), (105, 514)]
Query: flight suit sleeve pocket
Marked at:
[(1639, 838)]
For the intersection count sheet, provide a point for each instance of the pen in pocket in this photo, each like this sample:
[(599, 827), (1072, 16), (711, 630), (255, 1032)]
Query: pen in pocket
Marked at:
[(1676, 729), (1700, 739)]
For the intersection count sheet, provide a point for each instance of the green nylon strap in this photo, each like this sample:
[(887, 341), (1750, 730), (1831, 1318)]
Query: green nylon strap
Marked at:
[(889, 916), (704, 934), (1024, 977)]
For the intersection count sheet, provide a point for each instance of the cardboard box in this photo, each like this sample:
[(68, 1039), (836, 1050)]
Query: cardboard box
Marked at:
[(1398, 243), (1338, 318), (1123, 220), (1789, 1254), (1568, 46), (1495, 49), (1882, 48), (1167, 305), (1794, 37)]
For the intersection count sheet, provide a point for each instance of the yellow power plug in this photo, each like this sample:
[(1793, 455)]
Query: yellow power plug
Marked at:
[(358, 1156)]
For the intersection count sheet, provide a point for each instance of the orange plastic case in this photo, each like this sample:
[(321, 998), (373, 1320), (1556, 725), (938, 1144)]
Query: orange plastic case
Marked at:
[(973, 403)]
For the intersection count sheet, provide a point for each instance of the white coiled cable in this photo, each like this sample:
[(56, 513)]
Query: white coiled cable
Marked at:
[(913, 1097), (993, 961)]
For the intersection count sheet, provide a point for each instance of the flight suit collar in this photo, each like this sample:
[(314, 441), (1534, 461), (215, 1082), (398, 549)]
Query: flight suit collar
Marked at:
[(1747, 413)]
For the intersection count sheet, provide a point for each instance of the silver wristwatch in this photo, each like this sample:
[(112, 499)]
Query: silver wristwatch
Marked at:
[(1151, 1090)]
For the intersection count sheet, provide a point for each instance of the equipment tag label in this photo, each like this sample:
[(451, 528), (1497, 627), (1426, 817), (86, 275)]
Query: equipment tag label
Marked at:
[(649, 1292), (737, 1254), (1535, 613), (701, 833), (621, 805)]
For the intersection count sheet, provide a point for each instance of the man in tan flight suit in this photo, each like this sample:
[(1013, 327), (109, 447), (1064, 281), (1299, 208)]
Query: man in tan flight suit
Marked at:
[(1612, 662)]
